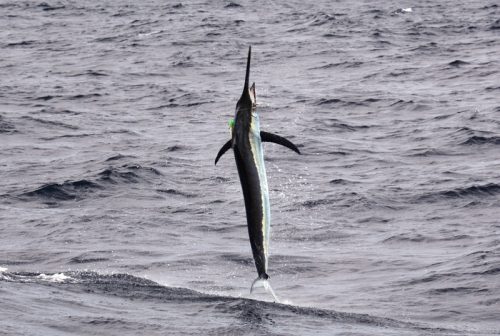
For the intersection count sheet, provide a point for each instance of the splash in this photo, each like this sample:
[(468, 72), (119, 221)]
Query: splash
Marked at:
[(57, 277)]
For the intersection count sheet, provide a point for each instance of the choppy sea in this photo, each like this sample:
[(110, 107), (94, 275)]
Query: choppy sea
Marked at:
[(115, 221)]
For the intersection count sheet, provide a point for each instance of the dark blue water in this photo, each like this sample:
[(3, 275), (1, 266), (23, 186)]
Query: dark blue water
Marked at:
[(114, 220)]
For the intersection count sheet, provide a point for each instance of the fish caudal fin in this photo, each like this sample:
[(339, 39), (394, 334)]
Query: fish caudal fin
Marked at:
[(262, 281)]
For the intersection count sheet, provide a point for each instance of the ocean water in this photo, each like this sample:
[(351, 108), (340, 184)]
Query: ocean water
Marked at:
[(115, 221)]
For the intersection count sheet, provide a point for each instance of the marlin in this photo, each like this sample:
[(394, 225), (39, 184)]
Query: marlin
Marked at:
[(246, 142)]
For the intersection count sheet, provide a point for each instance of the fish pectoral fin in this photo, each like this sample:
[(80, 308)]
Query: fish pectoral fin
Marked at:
[(224, 149), (270, 137)]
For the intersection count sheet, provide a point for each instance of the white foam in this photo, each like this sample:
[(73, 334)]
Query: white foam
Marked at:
[(58, 277), (2, 269), (150, 33), (407, 10)]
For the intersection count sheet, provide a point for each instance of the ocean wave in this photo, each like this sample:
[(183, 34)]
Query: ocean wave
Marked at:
[(119, 157), (128, 173), (69, 97), (65, 136), (80, 189), (456, 290), (346, 64), (342, 182), (481, 140), (458, 63), (130, 287), (321, 19), (495, 25), (84, 96), (233, 5), (420, 238), (54, 110), (454, 272), (50, 122), (92, 73), (236, 258), (46, 97), (6, 127), (350, 200), (486, 190), (427, 152), (46, 7), (335, 123), (317, 202), (342, 102), (176, 192), (175, 148), (21, 43), (83, 260), (402, 104), (69, 190), (89, 257), (183, 99)]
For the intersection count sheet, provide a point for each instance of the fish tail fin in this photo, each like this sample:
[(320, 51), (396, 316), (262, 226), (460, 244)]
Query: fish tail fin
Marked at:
[(263, 281)]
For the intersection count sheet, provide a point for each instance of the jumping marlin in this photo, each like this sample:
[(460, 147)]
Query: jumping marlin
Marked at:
[(246, 142)]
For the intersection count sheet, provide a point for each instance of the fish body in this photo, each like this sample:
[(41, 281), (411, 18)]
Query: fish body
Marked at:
[(246, 142)]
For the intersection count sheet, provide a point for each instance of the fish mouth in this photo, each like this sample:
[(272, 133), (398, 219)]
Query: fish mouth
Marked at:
[(251, 91)]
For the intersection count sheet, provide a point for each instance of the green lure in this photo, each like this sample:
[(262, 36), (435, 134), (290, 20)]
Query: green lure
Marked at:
[(231, 123)]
